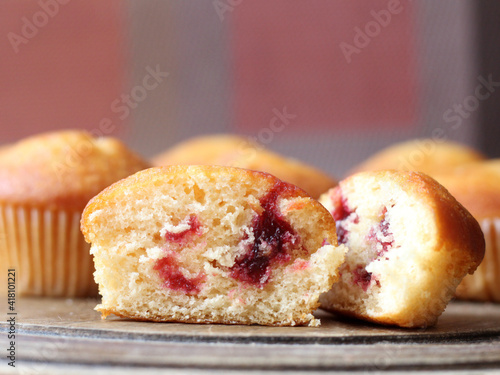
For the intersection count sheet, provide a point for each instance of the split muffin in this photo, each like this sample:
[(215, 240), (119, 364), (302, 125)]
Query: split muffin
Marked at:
[(410, 244), (211, 244)]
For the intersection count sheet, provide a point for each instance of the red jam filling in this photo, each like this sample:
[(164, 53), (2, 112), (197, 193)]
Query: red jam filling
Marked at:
[(341, 209), (342, 214), (386, 244), (194, 228), (273, 238), (170, 271), (382, 235), (363, 278)]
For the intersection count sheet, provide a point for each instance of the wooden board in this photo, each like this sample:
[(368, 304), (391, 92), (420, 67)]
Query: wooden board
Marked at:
[(60, 335)]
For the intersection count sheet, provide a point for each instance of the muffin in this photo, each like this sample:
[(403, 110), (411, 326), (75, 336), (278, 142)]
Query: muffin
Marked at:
[(410, 244), (45, 182), (424, 155), (477, 187), (211, 244), (236, 151)]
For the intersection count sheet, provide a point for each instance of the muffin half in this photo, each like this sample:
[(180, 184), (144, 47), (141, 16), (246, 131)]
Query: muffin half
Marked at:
[(208, 244), (410, 244)]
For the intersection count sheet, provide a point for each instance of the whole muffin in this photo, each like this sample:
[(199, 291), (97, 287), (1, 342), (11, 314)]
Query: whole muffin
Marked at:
[(241, 152), (45, 182), (424, 155), (477, 187)]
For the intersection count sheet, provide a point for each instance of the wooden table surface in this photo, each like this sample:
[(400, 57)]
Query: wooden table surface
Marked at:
[(58, 336)]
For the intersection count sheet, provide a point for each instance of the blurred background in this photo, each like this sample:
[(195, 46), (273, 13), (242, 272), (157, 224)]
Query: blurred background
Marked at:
[(328, 82)]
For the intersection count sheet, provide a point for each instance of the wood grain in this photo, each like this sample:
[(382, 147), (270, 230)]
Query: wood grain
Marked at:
[(59, 334)]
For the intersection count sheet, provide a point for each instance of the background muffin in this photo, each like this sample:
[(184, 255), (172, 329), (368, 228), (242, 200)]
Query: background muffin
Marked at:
[(45, 182), (477, 187), (424, 155), (236, 151)]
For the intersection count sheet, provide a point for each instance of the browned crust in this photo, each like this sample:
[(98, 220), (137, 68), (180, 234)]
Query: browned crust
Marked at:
[(62, 170), (236, 151), (476, 186), (425, 155), (159, 175)]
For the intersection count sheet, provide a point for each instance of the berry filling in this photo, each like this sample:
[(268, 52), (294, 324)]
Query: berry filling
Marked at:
[(274, 237), (381, 235), (381, 240), (363, 278), (342, 214), (173, 278), (188, 228), (341, 210)]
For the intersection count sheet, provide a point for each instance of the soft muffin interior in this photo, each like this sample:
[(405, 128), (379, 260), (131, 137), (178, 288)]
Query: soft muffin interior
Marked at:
[(394, 269), (184, 247)]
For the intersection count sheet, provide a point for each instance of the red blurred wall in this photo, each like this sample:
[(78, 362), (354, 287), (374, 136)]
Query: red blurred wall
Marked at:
[(62, 64)]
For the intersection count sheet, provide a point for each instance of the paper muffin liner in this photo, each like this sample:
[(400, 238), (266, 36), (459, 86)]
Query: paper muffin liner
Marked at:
[(484, 284), (48, 252)]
